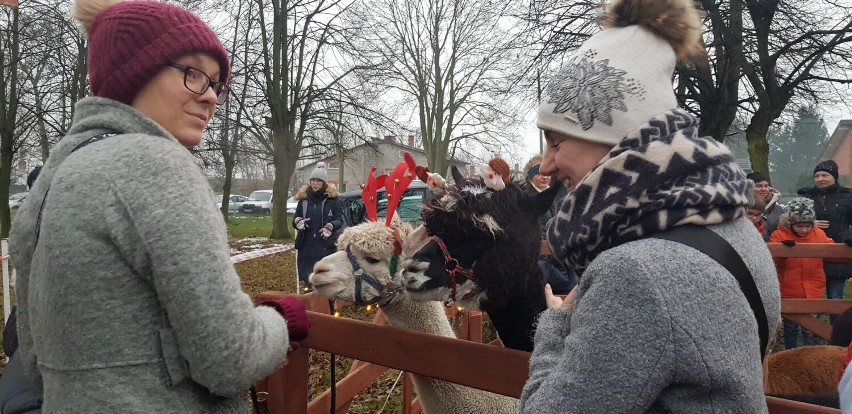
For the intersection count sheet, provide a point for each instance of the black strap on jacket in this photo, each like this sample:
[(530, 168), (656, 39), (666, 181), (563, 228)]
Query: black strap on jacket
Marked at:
[(717, 248), (91, 140)]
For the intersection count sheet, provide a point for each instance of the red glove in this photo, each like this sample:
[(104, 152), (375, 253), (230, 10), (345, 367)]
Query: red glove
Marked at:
[(295, 315)]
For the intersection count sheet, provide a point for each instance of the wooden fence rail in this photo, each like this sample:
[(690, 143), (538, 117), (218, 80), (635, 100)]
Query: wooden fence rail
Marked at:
[(376, 347)]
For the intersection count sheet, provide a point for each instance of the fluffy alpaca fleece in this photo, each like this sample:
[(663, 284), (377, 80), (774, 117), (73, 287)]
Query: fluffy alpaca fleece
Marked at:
[(372, 239), (496, 234), (808, 370), (334, 278)]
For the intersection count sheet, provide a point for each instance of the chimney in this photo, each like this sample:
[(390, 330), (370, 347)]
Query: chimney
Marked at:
[(390, 138), (411, 141)]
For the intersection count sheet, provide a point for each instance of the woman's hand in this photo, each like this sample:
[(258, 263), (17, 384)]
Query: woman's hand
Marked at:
[(555, 302)]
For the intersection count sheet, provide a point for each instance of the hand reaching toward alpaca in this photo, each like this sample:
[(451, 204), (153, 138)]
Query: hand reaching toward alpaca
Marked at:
[(555, 302)]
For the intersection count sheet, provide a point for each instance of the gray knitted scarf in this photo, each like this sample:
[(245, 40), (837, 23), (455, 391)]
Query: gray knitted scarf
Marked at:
[(660, 176)]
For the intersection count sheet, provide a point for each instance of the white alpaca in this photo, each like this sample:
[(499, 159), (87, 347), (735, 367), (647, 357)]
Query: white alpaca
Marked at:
[(371, 245)]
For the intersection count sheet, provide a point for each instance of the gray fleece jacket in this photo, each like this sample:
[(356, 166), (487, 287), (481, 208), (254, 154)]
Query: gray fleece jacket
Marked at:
[(657, 327), (129, 302)]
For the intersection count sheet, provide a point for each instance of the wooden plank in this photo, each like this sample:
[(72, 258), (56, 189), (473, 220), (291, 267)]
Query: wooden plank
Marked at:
[(407, 387), (475, 326), (448, 359), (782, 406), (830, 250), (347, 388), (814, 325), (288, 387), (807, 306)]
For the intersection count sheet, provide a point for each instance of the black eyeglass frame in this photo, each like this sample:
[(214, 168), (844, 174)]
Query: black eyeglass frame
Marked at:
[(221, 96)]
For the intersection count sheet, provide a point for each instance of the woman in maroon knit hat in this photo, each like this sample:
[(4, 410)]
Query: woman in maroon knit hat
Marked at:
[(135, 306)]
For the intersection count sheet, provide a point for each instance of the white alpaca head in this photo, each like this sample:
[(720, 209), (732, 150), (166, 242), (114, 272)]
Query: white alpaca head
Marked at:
[(371, 245)]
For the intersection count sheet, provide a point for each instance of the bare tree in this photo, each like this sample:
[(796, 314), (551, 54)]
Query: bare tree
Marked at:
[(451, 60), (10, 57), (298, 69), (711, 89), (798, 47)]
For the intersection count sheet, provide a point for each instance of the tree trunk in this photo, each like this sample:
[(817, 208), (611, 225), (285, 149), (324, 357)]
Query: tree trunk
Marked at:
[(341, 184), (284, 159), (758, 146), (8, 119)]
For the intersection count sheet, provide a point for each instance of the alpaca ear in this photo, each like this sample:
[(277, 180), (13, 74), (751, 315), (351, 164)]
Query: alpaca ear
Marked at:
[(457, 175), (415, 240), (542, 201), (345, 238)]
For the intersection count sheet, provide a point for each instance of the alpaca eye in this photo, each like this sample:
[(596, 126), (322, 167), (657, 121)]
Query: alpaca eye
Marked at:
[(371, 260)]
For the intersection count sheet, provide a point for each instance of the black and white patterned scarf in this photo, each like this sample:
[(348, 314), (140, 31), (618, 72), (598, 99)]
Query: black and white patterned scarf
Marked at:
[(661, 176)]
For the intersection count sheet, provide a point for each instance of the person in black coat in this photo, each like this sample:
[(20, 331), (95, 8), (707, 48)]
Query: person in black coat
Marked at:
[(833, 206), (317, 217)]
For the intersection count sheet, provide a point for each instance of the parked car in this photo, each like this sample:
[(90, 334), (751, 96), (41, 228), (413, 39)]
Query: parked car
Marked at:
[(259, 202), (16, 200), (291, 205), (234, 204), (409, 207)]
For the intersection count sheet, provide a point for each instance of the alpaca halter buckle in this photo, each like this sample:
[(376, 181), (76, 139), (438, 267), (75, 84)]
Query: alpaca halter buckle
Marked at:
[(458, 273), (361, 276)]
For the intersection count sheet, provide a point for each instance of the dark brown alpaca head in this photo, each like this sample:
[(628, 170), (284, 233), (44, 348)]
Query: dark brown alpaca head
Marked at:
[(494, 234)]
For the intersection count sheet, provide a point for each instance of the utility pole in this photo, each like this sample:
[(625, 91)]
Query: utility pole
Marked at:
[(538, 90)]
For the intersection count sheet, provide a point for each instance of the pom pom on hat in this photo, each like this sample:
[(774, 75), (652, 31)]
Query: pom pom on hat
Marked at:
[(600, 94), (319, 172)]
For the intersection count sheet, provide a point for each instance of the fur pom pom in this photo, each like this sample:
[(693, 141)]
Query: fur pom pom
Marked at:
[(86, 10), (676, 21)]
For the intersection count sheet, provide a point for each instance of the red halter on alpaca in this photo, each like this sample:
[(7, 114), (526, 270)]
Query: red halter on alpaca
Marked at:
[(458, 274)]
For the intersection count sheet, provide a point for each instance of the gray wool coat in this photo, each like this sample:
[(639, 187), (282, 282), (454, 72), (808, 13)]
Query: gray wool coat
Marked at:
[(129, 302), (657, 327)]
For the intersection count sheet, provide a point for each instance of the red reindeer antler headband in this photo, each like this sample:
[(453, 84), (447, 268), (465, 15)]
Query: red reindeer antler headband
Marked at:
[(395, 186)]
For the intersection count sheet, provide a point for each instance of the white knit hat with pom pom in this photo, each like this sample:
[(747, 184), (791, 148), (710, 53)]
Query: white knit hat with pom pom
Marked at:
[(319, 173), (622, 76)]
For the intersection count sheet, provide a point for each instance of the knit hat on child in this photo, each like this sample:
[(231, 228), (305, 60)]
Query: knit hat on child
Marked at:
[(800, 210)]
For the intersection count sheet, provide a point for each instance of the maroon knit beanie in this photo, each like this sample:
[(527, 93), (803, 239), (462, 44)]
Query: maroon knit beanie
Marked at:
[(131, 41)]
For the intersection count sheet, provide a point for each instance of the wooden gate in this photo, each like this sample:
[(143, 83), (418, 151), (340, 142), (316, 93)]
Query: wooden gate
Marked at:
[(376, 347)]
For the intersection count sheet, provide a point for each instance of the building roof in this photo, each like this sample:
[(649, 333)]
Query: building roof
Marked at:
[(842, 133)]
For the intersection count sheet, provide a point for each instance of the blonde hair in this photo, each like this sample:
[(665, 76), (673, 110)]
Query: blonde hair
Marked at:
[(85, 11), (536, 159)]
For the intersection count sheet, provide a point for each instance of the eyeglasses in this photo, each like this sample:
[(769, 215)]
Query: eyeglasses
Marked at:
[(197, 82)]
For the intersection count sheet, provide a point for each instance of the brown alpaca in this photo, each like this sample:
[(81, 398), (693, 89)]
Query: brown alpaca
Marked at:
[(809, 370)]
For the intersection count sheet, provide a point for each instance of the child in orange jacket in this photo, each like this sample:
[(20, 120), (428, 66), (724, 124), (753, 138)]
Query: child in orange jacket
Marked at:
[(799, 277)]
